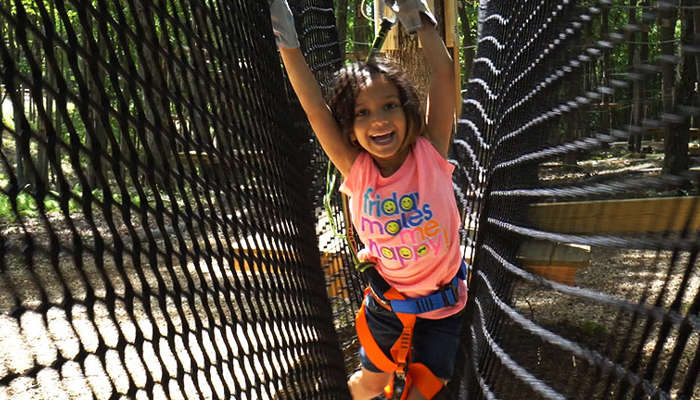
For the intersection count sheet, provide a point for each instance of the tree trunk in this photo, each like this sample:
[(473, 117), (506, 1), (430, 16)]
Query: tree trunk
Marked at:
[(676, 159), (53, 150), (696, 41), (644, 59), (201, 102), (483, 7), (605, 120), (96, 135), (341, 18), (42, 161), (635, 139), (50, 137), (124, 148), (21, 129), (667, 24), (572, 120), (676, 141), (22, 155)]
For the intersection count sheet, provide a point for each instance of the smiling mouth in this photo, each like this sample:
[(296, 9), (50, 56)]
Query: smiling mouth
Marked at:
[(383, 139)]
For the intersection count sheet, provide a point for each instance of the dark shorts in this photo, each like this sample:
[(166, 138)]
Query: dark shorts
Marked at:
[(435, 341)]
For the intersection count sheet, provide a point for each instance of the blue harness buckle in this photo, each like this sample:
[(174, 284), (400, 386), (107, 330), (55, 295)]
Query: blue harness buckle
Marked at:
[(450, 288)]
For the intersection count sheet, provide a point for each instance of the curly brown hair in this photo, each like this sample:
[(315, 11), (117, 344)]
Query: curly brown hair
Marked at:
[(348, 82)]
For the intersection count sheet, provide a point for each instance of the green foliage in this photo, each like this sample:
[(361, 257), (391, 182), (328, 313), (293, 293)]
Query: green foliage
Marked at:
[(51, 204), (593, 329), (356, 22), (467, 45), (26, 206), (6, 213)]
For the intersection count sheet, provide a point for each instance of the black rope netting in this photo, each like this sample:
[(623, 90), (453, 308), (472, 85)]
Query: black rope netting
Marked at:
[(534, 124), (168, 251), (163, 232)]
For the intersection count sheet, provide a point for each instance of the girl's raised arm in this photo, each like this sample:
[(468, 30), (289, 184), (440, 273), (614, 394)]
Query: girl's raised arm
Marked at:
[(307, 89), (441, 98), (416, 17)]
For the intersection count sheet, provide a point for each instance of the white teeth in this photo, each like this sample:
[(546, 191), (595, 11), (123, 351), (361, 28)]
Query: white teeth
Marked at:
[(383, 139)]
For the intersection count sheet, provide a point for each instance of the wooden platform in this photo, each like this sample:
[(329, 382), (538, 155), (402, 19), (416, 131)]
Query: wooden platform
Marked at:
[(665, 214), (559, 261)]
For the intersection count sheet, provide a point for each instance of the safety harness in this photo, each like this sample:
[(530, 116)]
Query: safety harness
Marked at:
[(406, 372)]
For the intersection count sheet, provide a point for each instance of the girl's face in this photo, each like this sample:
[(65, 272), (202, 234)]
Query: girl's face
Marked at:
[(380, 123)]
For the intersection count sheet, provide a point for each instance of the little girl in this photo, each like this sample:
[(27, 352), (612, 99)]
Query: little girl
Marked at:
[(392, 158)]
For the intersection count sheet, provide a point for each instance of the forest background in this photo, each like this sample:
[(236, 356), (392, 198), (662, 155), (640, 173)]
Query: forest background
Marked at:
[(670, 33)]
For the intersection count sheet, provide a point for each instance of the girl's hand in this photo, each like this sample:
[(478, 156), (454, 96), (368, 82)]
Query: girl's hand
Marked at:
[(409, 12), (283, 24)]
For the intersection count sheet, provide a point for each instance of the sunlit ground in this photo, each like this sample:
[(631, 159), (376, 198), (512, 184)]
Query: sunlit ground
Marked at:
[(67, 344), (636, 276)]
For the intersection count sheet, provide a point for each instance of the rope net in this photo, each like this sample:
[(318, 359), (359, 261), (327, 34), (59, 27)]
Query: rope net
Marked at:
[(163, 232), (158, 237), (543, 203)]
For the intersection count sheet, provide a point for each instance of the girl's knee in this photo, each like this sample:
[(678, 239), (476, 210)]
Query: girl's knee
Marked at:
[(366, 384)]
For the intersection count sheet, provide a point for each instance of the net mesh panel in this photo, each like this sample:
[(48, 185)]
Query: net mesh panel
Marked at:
[(157, 235), (541, 171), (316, 26), (160, 240)]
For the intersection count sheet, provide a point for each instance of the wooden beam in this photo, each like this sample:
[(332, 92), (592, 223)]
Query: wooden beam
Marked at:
[(450, 22), (655, 132), (332, 265), (198, 157), (554, 261), (618, 216)]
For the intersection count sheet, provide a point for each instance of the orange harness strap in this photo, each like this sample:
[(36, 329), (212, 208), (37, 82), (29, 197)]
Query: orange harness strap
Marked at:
[(424, 380), (374, 352), (415, 374)]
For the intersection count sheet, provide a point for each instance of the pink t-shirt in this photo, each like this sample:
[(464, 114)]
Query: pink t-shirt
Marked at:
[(408, 222)]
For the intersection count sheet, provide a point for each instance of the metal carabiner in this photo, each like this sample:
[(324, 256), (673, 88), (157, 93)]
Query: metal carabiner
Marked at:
[(398, 386)]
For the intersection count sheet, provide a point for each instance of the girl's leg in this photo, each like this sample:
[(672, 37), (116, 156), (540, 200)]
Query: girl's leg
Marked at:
[(366, 385)]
